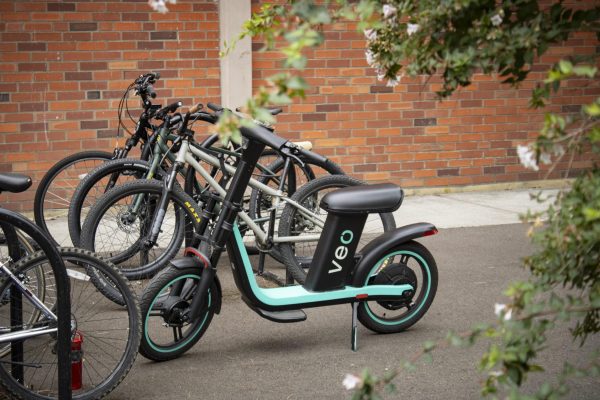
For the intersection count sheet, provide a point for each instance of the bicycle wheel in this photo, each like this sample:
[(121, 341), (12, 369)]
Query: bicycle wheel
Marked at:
[(103, 178), (298, 255), (109, 334), (167, 333), (409, 263), (261, 203), (117, 231), (54, 193)]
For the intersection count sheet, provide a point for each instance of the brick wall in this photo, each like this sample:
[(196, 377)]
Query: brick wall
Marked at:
[(404, 134), (64, 66)]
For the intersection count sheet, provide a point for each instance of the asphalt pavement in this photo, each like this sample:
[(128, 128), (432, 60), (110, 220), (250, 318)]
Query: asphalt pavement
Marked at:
[(478, 251)]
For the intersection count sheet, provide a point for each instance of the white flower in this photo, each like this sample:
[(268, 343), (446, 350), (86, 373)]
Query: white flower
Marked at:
[(370, 57), (160, 5), (370, 34), (558, 149), (503, 311), (527, 157), (380, 74), (545, 158), (351, 382), (496, 19), (412, 28), (389, 11), (392, 82)]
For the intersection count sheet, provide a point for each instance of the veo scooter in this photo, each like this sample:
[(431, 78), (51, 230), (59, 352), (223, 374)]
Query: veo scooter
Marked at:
[(390, 284)]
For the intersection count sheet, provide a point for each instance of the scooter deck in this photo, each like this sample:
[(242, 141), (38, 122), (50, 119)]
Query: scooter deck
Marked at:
[(299, 295), (296, 295)]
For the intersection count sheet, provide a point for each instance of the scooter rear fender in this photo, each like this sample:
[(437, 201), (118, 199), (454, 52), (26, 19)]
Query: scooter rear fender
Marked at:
[(384, 244), (194, 262)]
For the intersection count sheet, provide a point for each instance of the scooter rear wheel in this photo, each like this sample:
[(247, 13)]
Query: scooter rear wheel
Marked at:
[(166, 333), (408, 263)]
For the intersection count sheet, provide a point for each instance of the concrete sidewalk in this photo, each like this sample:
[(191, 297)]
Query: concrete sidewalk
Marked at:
[(470, 209), (448, 210)]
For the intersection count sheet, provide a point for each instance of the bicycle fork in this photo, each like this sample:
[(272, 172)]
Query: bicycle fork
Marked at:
[(161, 208)]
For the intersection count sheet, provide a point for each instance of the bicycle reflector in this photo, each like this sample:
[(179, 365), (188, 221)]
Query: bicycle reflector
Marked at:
[(77, 361)]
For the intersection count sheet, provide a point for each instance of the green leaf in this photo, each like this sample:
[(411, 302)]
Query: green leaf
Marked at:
[(591, 214), (593, 110), (429, 345), (565, 66), (585, 70)]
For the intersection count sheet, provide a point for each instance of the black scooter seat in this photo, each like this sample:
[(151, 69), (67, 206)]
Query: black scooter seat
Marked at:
[(380, 198), (14, 183)]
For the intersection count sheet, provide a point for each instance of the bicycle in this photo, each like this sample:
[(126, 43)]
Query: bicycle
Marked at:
[(116, 172), (139, 215), (35, 337), (54, 192), (14, 227), (390, 284)]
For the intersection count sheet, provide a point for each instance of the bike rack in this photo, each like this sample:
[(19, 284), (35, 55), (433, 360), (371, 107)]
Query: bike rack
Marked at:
[(10, 221)]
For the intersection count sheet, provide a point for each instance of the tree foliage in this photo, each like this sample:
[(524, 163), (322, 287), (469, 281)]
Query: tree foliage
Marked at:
[(456, 39)]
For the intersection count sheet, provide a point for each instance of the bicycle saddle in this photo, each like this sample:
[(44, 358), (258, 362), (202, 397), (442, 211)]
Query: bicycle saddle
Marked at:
[(14, 183), (380, 198)]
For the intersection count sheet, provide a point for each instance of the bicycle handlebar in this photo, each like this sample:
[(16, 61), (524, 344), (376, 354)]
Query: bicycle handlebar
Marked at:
[(150, 77), (150, 90), (162, 113)]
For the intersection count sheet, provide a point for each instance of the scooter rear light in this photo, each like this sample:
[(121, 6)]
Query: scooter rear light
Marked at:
[(362, 296), (430, 232)]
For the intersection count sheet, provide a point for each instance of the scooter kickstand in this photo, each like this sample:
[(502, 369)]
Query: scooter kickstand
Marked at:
[(354, 326)]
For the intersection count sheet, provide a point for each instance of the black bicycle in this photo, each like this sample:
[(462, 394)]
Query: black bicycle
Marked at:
[(54, 192)]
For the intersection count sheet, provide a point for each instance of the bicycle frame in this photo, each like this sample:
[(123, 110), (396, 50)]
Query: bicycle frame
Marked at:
[(9, 221), (33, 299), (186, 154)]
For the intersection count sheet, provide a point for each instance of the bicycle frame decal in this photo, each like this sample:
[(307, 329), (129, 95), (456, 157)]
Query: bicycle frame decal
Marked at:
[(193, 211)]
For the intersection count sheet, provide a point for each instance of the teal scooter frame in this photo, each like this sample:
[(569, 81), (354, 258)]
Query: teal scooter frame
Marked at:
[(186, 295)]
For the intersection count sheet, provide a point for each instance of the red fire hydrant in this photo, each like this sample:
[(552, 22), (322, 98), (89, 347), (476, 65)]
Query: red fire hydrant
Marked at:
[(77, 361)]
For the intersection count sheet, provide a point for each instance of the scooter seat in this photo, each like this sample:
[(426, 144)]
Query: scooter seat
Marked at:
[(380, 198), (14, 183)]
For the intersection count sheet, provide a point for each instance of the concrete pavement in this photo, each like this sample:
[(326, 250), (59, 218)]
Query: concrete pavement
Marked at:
[(469, 209), (448, 210)]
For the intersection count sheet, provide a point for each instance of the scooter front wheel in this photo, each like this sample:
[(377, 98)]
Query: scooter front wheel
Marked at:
[(408, 263), (167, 330)]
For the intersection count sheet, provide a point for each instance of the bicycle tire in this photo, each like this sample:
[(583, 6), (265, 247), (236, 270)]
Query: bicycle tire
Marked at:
[(149, 346), (384, 320), (89, 315), (296, 260), (186, 218), (61, 197), (308, 170), (90, 189)]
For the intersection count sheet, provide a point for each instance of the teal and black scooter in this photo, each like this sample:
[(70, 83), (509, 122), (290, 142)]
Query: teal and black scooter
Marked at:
[(390, 284)]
